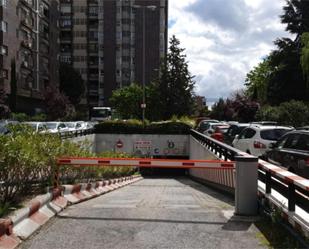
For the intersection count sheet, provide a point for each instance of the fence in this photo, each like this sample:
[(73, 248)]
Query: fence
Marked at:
[(281, 188)]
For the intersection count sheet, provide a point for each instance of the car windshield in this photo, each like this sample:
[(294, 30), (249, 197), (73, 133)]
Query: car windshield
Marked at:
[(70, 125), (102, 113), (273, 134), (51, 125)]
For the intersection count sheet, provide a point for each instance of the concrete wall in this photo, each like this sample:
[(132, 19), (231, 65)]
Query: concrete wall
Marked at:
[(87, 142), (197, 151), (143, 144), (223, 179)]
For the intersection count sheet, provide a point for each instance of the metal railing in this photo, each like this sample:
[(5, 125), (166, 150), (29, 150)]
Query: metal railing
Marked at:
[(76, 133), (222, 150), (276, 179)]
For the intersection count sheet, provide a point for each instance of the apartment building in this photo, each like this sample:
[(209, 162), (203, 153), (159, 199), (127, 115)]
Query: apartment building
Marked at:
[(103, 40), (29, 51)]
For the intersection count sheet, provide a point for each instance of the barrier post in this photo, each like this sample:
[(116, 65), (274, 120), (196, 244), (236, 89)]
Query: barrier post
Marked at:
[(291, 194), (246, 199)]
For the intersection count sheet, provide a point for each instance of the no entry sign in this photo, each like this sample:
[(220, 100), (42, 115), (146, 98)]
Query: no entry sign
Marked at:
[(119, 144)]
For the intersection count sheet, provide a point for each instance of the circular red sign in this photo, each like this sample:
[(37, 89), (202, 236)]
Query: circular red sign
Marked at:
[(119, 144)]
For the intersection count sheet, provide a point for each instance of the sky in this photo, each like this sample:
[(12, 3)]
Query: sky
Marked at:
[(225, 39)]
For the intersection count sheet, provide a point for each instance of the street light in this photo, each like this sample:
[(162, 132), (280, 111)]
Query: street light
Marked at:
[(144, 8)]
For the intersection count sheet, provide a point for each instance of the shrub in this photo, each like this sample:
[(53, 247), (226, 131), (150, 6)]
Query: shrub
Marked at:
[(28, 161), (271, 113), (136, 127), (294, 113), (21, 117)]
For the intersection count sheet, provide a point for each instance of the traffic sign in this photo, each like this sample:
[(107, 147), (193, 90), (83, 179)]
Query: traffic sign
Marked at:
[(119, 144)]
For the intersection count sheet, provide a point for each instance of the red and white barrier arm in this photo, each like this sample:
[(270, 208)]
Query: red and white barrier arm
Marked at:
[(147, 163)]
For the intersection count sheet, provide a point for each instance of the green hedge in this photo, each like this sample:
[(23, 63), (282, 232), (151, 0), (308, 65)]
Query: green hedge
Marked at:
[(136, 127), (28, 161), (294, 113)]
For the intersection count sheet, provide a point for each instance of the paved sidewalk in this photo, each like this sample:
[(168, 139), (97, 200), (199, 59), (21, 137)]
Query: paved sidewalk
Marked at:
[(152, 213)]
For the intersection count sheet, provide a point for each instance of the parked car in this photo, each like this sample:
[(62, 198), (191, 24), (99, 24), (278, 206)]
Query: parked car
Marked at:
[(234, 130), (211, 127), (265, 123), (55, 127), (37, 126), (4, 126), (75, 126), (256, 139), (291, 152), (220, 132), (204, 125)]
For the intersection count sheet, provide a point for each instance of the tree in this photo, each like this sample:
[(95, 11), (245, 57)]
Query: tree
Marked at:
[(286, 80), (218, 109), (71, 83), (57, 104), (296, 17), (257, 81), (240, 107), (244, 108), (175, 85), (304, 59), (127, 100)]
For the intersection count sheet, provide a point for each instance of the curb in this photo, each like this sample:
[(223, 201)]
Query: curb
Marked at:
[(43, 207), (7, 239)]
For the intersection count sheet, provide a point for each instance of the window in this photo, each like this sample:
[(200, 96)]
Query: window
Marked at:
[(4, 26), (126, 33), (3, 3), (65, 9), (291, 141), (273, 134), (4, 50), (247, 133), (66, 58), (5, 74), (66, 23), (303, 143), (93, 11)]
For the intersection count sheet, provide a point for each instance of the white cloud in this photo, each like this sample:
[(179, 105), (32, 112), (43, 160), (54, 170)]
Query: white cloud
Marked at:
[(224, 39)]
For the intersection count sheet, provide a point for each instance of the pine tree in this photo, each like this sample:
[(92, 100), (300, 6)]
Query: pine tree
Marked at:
[(176, 83)]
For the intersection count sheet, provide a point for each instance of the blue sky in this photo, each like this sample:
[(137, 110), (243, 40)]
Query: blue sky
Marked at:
[(225, 39)]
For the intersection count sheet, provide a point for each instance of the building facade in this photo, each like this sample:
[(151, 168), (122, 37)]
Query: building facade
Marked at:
[(103, 40), (29, 51)]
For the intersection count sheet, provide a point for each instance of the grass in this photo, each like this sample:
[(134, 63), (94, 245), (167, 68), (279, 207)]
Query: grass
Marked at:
[(274, 235)]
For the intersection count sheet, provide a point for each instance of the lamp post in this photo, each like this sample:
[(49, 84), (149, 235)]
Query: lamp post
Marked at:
[(144, 8)]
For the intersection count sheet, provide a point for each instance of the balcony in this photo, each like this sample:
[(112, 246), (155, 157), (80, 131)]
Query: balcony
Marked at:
[(27, 44), (93, 76), (26, 65), (29, 3), (27, 22), (93, 92)]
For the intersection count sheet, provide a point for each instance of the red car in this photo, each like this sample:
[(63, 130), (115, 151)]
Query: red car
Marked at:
[(219, 132)]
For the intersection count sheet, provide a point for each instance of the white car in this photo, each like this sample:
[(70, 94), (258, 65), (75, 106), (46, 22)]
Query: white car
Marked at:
[(256, 139), (56, 127), (37, 126), (75, 126)]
